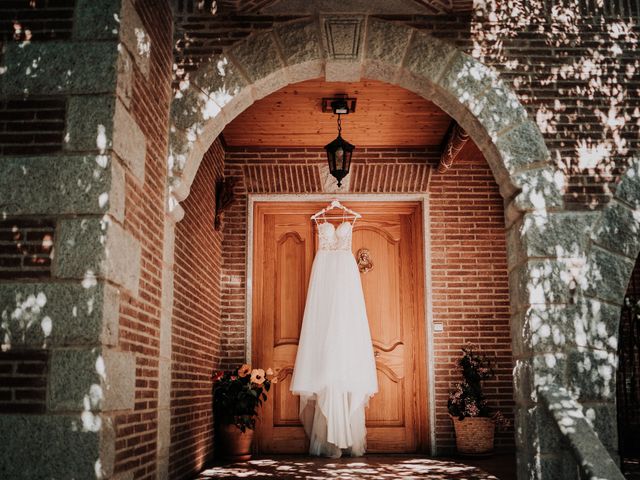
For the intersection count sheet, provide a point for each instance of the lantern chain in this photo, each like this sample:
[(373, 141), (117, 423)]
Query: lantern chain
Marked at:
[(339, 125)]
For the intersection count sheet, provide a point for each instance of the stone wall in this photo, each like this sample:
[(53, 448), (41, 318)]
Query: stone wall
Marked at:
[(85, 90)]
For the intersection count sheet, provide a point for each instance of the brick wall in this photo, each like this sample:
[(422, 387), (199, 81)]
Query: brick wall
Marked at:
[(36, 20), (470, 288), (634, 282), (196, 325), (628, 374), (26, 247), (32, 126), (23, 381), (136, 431), (469, 267)]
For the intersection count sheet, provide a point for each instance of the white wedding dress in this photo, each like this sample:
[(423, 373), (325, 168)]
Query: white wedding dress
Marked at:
[(335, 371)]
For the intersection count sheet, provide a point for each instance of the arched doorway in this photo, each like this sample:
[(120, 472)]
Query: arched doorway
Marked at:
[(543, 278), (227, 85)]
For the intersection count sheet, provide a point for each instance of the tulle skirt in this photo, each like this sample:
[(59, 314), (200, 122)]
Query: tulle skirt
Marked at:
[(335, 372)]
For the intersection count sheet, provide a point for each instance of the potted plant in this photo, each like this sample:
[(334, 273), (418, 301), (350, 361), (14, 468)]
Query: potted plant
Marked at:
[(473, 420), (237, 395)]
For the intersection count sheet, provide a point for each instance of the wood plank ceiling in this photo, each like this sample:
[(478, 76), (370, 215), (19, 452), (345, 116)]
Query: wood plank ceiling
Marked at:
[(385, 116)]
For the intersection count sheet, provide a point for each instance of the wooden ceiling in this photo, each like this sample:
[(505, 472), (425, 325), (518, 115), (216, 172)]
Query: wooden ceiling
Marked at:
[(385, 116)]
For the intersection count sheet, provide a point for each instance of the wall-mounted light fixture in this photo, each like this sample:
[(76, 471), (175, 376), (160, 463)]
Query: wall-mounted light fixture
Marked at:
[(339, 152)]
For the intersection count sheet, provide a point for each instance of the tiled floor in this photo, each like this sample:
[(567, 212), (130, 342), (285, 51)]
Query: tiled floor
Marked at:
[(499, 466)]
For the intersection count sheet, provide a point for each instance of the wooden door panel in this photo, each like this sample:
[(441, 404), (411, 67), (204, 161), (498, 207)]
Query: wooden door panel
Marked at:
[(284, 258), (383, 311), (385, 409), (284, 247), (381, 287), (387, 440), (285, 405), (290, 292), (391, 359)]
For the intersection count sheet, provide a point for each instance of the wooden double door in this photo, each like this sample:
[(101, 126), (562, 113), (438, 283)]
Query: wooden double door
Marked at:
[(284, 246)]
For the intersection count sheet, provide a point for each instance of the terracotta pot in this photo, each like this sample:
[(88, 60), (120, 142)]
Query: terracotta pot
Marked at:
[(235, 446), (474, 435)]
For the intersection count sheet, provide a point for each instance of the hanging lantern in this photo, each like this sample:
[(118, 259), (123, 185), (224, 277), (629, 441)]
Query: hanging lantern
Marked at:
[(339, 151)]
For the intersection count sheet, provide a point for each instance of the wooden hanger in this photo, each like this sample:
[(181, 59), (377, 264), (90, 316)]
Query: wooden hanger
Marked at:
[(332, 205)]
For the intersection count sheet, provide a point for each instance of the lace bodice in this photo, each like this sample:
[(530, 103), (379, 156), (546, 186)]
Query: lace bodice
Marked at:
[(332, 238)]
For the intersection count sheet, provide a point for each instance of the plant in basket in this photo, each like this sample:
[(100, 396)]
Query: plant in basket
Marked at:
[(473, 420), (237, 395)]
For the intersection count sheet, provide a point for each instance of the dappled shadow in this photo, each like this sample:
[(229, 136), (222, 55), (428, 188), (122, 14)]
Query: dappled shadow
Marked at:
[(369, 467), (577, 81), (591, 455)]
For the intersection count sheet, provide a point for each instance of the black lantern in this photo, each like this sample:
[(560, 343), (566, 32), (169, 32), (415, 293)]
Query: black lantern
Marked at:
[(339, 151)]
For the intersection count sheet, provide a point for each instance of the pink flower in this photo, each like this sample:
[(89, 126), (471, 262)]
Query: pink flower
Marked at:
[(472, 410)]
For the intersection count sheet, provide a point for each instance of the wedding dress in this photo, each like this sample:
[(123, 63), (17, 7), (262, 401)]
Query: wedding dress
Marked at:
[(335, 372)]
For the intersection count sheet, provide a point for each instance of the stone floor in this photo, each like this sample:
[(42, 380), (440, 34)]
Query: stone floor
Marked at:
[(499, 466)]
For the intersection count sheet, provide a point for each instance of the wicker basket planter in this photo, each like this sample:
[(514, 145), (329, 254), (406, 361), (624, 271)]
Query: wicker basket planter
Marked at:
[(474, 435)]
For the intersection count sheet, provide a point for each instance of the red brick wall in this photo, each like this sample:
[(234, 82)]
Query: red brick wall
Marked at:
[(136, 431), (196, 325), (470, 288), (469, 266)]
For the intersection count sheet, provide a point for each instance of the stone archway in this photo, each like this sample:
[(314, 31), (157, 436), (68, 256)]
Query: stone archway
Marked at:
[(468, 91), (567, 271)]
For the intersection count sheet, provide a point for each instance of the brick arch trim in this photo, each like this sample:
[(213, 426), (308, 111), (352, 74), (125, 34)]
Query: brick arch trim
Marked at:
[(466, 89)]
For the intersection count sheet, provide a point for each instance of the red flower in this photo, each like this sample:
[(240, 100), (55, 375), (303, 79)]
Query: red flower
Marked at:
[(217, 375)]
